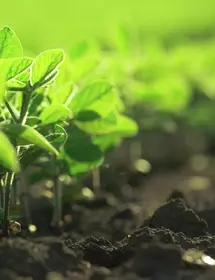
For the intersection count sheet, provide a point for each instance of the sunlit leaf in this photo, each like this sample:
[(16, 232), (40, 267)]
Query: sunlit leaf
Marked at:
[(45, 65), (29, 135), (62, 94), (83, 67), (14, 66), (126, 126), (97, 126), (99, 97), (8, 156), (10, 45), (2, 86), (55, 113)]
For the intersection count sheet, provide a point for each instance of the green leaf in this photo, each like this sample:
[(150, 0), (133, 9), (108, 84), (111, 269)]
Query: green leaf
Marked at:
[(99, 97), (14, 66), (96, 125), (10, 45), (78, 168), (107, 141), (62, 94), (126, 126), (2, 86), (33, 153), (8, 156), (45, 65), (29, 135), (83, 67), (55, 113), (79, 147)]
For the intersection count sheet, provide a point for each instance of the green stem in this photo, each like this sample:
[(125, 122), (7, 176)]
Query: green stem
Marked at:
[(12, 113), (1, 193), (24, 109), (17, 89), (96, 179), (10, 176), (57, 194), (8, 186)]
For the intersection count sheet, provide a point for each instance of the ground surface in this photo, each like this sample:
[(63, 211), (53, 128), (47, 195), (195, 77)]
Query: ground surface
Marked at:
[(142, 232)]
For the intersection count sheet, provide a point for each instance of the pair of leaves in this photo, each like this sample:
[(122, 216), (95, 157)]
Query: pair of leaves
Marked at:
[(44, 66)]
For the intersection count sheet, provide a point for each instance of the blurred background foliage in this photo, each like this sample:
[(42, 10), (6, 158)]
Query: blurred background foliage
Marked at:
[(44, 24)]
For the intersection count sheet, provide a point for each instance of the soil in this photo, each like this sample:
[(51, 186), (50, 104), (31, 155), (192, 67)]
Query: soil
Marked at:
[(155, 227)]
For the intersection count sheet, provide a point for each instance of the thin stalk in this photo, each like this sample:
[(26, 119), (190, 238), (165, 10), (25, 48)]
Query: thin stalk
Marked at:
[(96, 179), (8, 186), (10, 176), (24, 197), (12, 113), (1, 193), (57, 194)]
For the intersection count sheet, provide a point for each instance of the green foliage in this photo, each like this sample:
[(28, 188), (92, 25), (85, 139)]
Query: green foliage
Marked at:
[(10, 45), (45, 65), (53, 104), (54, 113), (29, 135), (8, 156)]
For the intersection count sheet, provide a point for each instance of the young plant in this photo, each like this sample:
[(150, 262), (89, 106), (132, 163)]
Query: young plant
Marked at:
[(21, 79), (44, 109)]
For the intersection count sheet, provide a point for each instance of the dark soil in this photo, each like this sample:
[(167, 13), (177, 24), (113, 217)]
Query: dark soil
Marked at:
[(147, 231)]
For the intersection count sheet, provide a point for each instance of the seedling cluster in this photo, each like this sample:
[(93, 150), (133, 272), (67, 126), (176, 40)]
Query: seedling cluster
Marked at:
[(47, 107)]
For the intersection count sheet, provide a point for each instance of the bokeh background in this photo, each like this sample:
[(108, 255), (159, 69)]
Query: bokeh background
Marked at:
[(42, 24)]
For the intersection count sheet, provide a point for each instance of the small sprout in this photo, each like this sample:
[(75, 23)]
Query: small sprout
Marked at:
[(32, 228)]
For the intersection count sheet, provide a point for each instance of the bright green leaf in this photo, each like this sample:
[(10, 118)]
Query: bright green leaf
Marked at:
[(97, 126), (29, 135), (14, 66), (126, 126), (55, 113), (99, 97), (2, 86), (62, 94), (10, 45), (83, 67), (45, 65), (8, 156)]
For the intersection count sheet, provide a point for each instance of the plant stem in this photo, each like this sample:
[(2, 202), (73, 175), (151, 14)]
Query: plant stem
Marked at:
[(26, 95), (8, 185), (96, 179), (1, 193), (57, 194), (13, 115)]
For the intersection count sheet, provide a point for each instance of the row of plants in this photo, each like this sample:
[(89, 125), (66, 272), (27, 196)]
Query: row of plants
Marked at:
[(158, 79), (50, 109)]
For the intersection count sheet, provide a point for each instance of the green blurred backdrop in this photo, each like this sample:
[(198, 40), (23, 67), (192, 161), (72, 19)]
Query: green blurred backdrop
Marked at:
[(41, 24)]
